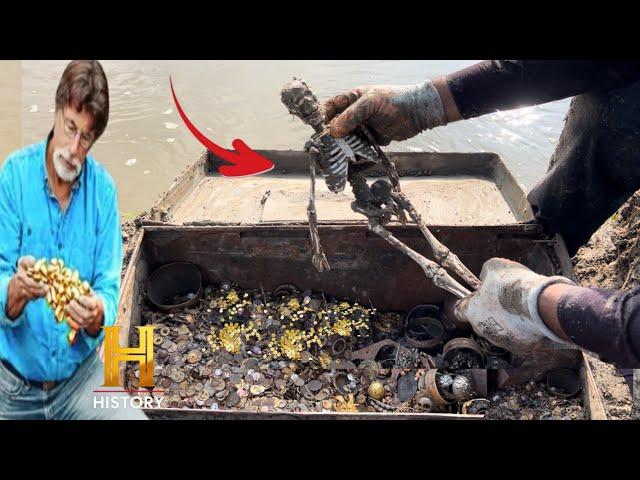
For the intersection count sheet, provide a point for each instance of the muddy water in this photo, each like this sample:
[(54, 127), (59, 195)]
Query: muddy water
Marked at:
[(146, 144)]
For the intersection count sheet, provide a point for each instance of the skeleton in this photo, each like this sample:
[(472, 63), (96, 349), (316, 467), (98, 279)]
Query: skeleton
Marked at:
[(345, 159)]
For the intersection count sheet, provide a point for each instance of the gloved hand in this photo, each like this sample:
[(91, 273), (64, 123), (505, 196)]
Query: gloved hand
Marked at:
[(391, 112), (504, 310)]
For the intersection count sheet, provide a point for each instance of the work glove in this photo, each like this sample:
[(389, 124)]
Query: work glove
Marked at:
[(504, 310), (391, 112)]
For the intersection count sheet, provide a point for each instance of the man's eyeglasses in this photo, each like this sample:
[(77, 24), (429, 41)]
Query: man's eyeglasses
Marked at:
[(70, 130)]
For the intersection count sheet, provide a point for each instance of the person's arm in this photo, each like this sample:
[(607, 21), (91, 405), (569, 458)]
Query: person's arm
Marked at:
[(16, 288), (522, 311), (493, 85), (9, 244), (398, 112), (606, 322)]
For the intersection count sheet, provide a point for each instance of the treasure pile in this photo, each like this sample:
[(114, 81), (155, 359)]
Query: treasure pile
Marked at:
[(64, 285), (298, 351)]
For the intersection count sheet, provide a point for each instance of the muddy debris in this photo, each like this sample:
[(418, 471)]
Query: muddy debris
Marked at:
[(532, 401), (611, 259)]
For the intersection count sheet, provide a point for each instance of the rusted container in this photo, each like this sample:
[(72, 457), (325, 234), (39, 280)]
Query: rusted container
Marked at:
[(253, 231)]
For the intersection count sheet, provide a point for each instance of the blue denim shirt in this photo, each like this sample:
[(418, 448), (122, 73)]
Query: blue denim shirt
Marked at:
[(87, 237)]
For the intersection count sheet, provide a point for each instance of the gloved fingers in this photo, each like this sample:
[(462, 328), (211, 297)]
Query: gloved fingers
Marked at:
[(497, 264), (462, 309), (339, 103), (354, 116)]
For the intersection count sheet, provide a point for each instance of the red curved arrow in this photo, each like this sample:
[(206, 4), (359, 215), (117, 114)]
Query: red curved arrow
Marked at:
[(244, 163)]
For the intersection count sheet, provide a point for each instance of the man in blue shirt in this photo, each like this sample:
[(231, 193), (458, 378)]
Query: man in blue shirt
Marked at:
[(56, 201)]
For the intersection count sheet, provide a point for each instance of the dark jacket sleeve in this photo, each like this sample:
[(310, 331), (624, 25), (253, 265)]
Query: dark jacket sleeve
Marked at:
[(605, 322), (494, 85)]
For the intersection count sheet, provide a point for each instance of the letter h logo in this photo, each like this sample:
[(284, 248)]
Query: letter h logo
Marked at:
[(114, 354)]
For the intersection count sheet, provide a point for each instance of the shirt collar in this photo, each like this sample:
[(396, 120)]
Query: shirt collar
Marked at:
[(77, 182)]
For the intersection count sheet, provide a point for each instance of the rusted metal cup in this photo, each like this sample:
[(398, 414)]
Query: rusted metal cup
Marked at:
[(477, 406), (563, 382), (175, 280), (428, 383), (463, 344), (422, 328)]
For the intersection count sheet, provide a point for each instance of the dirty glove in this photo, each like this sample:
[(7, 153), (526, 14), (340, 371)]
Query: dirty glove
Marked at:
[(504, 310), (391, 112)]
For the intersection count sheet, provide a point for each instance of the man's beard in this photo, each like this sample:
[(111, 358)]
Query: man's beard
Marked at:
[(61, 167)]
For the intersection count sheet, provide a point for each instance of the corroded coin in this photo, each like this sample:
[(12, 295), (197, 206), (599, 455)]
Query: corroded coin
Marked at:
[(194, 356), (232, 400), (307, 394), (251, 363), (175, 360), (177, 375), (314, 385), (218, 384), (305, 356), (222, 394), (164, 382), (162, 355), (322, 395), (257, 389), (297, 380)]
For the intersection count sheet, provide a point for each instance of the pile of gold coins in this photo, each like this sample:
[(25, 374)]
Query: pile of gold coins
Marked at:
[(302, 324), (64, 285)]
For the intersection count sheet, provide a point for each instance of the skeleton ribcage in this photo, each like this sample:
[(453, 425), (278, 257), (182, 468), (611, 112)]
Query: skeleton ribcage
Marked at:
[(337, 153)]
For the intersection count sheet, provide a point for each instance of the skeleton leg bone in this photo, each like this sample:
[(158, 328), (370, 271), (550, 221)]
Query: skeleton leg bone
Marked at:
[(319, 259), (442, 254), (432, 270)]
